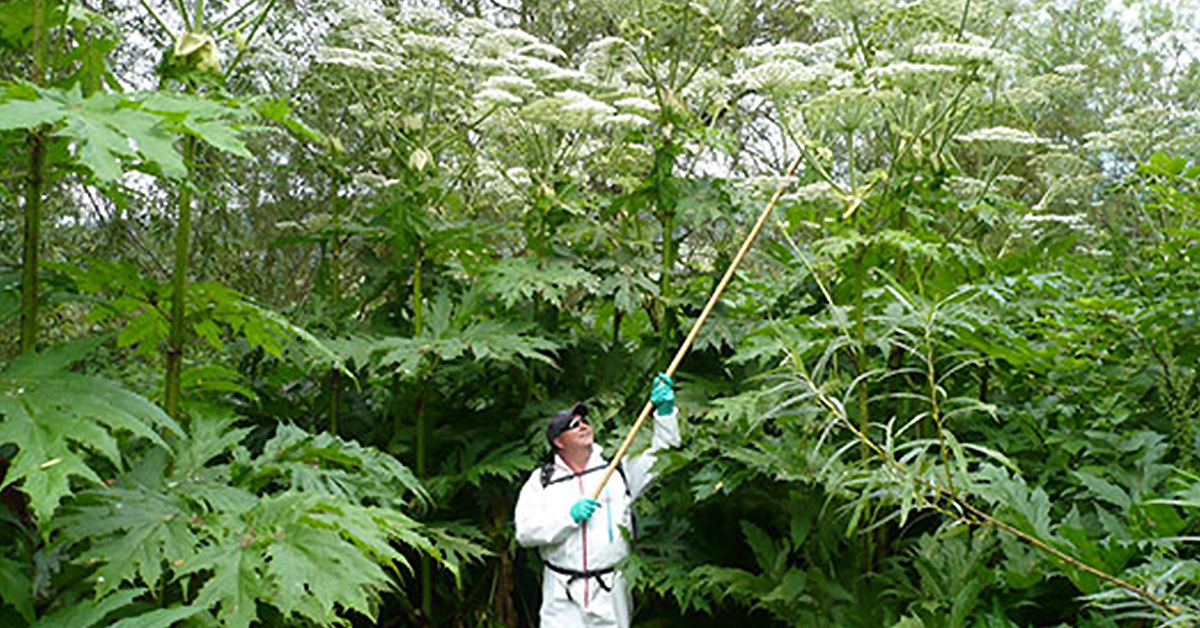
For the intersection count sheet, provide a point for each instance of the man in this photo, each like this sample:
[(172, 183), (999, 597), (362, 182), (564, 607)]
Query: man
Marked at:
[(579, 537)]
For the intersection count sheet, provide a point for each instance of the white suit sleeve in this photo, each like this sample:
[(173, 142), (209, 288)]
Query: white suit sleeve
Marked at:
[(539, 520), (637, 468)]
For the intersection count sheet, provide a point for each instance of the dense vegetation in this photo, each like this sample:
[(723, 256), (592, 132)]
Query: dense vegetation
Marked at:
[(289, 291)]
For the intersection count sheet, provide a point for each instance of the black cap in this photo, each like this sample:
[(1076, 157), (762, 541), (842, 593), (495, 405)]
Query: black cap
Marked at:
[(559, 422)]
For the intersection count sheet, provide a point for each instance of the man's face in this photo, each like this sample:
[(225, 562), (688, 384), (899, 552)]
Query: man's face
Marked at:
[(577, 437)]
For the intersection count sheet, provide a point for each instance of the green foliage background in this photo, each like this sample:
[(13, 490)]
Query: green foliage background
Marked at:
[(289, 290)]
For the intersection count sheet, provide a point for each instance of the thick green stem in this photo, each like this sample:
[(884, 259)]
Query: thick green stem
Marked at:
[(423, 435), (667, 219), (666, 202), (39, 43), (33, 193), (176, 337), (29, 261), (418, 311), (335, 400), (861, 332), (863, 393), (423, 430)]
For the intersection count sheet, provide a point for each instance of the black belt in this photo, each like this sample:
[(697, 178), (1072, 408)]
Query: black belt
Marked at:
[(575, 574)]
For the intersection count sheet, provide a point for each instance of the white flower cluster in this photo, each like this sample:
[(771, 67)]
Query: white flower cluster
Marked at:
[(534, 66), (975, 51), (1121, 140), (362, 23), (785, 75), (964, 187), (772, 52), (830, 49), (504, 40), (518, 175), (1002, 140), (543, 50), (1071, 69), (452, 47), (1036, 224), (627, 121), (475, 28), (348, 57), (638, 105), (1070, 220), (494, 96), (911, 75), (511, 84), (581, 103)]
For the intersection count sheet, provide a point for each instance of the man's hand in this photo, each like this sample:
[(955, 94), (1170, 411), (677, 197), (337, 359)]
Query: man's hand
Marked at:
[(663, 394), (583, 509)]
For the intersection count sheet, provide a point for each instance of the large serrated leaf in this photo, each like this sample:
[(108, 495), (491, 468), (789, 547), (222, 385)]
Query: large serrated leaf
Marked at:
[(88, 615), (56, 417), (24, 114), (16, 588), (236, 583), (316, 569), (133, 534), (159, 618)]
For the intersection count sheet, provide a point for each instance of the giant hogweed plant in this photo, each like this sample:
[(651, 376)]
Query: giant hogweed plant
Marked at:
[(166, 524), (935, 407)]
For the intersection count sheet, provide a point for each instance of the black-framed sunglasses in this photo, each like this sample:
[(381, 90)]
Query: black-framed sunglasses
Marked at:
[(576, 422)]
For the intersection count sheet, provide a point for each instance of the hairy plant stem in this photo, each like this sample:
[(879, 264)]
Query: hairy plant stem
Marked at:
[(35, 184), (666, 204), (335, 400), (334, 286), (177, 334), (666, 292), (32, 241), (936, 406), (863, 393), (423, 434)]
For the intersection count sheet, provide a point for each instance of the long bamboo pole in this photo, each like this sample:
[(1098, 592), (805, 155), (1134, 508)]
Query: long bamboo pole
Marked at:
[(708, 308)]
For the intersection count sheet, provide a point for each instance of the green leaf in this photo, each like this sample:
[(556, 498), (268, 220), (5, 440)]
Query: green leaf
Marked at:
[(236, 583), (54, 418), (1105, 490), (317, 569), (24, 114), (325, 464), (220, 135), (132, 533), (159, 618), (16, 588), (48, 362), (16, 23), (88, 614), (519, 279), (766, 552)]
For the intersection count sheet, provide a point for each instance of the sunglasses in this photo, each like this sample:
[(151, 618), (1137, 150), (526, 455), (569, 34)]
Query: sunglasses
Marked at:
[(575, 422)]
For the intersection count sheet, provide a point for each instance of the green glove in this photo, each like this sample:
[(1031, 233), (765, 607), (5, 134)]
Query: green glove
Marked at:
[(663, 394), (583, 509)]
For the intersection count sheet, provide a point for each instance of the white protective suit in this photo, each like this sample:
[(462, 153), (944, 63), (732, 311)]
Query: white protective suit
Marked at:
[(543, 520)]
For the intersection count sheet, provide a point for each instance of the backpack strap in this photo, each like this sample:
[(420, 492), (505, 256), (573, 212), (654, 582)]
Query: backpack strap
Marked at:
[(548, 475)]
